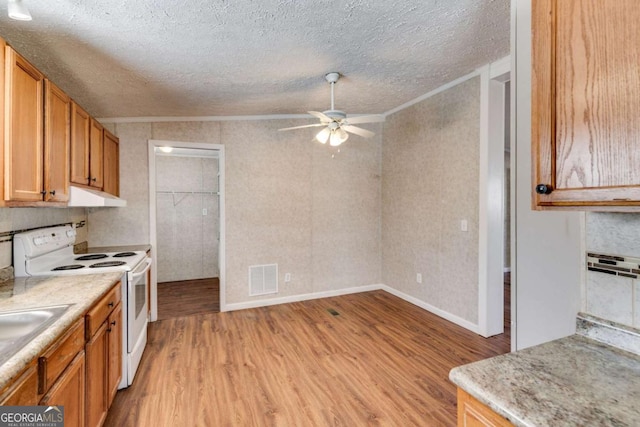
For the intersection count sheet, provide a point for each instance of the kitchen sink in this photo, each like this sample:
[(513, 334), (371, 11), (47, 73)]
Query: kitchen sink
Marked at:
[(18, 328)]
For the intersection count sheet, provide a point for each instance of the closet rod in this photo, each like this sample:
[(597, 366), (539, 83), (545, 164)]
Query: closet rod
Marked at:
[(188, 192)]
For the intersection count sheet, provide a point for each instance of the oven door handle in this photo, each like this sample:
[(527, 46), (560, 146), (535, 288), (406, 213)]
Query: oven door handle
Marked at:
[(147, 266)]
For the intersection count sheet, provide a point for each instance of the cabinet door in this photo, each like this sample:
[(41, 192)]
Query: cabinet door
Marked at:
[(68, 391), (586, 103), (472, 413), (96, 152), (97, 354), (23, 129), (24, 391), (79, 145), (115, 353), (111, 164), (57, 140)]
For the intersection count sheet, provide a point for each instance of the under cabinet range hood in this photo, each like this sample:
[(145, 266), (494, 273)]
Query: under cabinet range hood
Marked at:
[(86, 198)]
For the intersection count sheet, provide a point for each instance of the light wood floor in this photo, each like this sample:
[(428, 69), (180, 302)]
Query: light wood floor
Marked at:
[(188, 297), (381, 361)]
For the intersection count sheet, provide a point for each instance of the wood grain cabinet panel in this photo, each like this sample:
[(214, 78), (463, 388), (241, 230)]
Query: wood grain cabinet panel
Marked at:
[(96, 373), (111, 160), (114, 349), (104, 355), (96, 144), (24, 114), (57, 141), (68, 391), (472, 413), (80, 122), (24, 391), (586, 104)]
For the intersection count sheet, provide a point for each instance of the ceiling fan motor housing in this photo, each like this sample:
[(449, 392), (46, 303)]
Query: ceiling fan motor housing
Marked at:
[(335, 114)]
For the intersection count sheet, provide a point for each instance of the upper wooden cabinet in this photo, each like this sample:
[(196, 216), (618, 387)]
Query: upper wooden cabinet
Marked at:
[(586, 104), (23, 137), (80, 125), (111, 164), (96, 144), (57, 140)]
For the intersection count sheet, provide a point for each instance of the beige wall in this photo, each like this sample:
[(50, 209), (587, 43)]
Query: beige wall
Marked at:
[(613, 297), (288, 201), (429, 184), (12, 219)]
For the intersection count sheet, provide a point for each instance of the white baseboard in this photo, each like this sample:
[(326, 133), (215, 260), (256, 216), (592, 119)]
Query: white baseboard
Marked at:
[(375, 287), (435, 310), (301, 297)]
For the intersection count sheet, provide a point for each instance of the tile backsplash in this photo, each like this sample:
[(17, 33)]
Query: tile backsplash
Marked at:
[(612, 288), (12, 219)]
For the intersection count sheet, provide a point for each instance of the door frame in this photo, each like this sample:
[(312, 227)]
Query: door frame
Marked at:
[(153, 143), (491, 190)]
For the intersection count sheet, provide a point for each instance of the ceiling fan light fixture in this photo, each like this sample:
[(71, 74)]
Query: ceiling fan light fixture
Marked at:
[(338, 137), (18, 11), (323, 136)]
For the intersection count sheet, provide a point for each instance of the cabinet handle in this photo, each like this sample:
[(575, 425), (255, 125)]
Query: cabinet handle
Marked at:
[(52, 192), (43, 192), (94, 179), (111, 304), (544, 189), (113, 323)]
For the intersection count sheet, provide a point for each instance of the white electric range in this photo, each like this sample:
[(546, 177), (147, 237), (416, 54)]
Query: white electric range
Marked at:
[(49, 252)]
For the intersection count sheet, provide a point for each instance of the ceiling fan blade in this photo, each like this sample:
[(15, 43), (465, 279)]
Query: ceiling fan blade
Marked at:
[(358, 131), (321, 116), (373, 118), (305, 126)]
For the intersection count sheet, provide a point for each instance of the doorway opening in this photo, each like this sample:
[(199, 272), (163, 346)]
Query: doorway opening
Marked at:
[(187, 228)]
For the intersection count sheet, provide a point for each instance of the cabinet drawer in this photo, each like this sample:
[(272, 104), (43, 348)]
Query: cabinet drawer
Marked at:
[(24, 391), (58, 357), (99, 313), (473, 413)]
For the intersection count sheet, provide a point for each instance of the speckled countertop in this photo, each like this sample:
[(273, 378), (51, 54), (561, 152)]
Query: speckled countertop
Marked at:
[(586, 379), (82, 291)]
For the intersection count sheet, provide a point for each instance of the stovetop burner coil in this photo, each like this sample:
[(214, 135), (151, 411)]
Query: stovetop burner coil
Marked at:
[(123, 254), (68, 267), (107, 264), (91, 257)]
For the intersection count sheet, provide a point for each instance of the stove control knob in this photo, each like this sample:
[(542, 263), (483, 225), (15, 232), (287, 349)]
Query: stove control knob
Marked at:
[(38, 241)]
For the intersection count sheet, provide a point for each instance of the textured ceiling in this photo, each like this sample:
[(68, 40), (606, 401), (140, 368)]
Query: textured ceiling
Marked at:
[(124, 58)]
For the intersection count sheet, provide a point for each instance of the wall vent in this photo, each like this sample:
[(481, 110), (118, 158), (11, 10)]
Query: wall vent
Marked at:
[(263, 279)]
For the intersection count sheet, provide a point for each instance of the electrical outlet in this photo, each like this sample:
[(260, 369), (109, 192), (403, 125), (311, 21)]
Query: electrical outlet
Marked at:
[(287, 277), (419, 277), (464, 226), (204, 211)]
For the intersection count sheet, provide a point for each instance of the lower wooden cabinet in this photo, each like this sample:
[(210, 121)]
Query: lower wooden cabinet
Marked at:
[(104, 355), (68, 391), (24, 391), (473, 413), (114, 339)]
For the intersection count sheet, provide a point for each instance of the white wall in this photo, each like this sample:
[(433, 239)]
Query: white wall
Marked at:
[(548, 251), (429, 184)]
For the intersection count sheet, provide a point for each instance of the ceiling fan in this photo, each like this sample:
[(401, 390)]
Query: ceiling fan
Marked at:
[(335, 122)]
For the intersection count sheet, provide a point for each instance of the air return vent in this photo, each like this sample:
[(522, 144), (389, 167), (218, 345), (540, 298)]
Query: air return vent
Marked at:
[(263, 279)]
